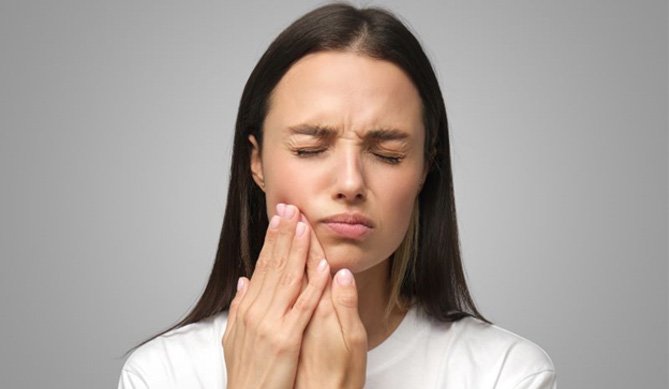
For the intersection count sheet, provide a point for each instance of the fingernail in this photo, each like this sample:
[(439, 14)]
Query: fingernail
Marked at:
[(301, 227), (322, 265), (240, 283), (280, 208), (344, 277), (274, 223), (290, 211)]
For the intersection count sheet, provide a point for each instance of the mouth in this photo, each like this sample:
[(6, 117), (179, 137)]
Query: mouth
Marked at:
[(349, 226)]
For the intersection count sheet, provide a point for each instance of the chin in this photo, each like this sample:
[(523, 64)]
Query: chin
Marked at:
[(354, 259)]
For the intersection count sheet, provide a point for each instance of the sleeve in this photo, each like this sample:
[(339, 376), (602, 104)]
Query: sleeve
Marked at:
[(130, 380), (546, 379)]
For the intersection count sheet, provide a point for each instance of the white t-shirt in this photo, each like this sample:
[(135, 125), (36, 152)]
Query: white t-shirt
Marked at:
[(420, 353)]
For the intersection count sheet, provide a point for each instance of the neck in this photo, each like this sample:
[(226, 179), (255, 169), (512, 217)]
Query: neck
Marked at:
[(373, 295)]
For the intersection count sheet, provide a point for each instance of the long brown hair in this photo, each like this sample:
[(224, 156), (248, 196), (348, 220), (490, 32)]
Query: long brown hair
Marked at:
[(435, 279)]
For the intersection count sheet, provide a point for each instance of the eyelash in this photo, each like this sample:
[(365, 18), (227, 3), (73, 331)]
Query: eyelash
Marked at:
[(307, 153)]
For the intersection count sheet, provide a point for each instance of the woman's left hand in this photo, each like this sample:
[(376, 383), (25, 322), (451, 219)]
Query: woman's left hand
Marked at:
[(334, 345)]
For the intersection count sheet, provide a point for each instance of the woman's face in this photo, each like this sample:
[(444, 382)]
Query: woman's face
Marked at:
[(343, 141)]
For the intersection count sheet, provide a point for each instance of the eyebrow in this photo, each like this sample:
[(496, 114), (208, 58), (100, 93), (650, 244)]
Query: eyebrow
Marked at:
[(326, 132), (317, 131)]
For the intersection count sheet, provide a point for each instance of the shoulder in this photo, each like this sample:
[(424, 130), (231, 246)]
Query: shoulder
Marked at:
[(467, 353), (178, 354), (476, 334), (514, 358)]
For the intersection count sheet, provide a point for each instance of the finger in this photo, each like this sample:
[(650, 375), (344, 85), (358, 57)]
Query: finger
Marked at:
[(324, 319), (345, 302), (276, 266), (261, 267), (325, 312), (242, 284), (299, 315), (290, 282), (316, 252)]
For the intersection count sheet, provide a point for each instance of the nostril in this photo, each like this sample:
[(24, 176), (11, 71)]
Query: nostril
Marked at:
[(357, 196)]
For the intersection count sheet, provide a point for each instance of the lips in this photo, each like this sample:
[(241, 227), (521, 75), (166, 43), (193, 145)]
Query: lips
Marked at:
[(349, 225)]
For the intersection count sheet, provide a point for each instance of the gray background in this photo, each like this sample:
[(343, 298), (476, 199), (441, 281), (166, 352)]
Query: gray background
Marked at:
[(116, 127)]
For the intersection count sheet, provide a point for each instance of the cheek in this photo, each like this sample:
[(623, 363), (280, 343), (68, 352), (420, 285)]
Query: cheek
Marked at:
[(397, 203), (399, 209), (284, 185)]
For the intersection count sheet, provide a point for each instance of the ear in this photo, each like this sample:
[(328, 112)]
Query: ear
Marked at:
[(256, 163)]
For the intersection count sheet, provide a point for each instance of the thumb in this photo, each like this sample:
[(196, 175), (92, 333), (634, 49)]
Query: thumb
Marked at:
[(345, 301)]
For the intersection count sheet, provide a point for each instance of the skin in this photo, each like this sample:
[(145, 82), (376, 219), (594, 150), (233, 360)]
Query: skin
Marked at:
[(366, 157)]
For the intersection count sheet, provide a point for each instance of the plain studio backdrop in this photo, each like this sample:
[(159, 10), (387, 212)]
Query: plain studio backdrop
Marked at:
[(117, 121)]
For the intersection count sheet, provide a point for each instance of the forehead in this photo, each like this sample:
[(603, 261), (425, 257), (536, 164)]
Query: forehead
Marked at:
[(347, 91)]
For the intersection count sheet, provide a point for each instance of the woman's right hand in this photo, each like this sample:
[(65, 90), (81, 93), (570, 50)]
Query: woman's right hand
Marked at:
[(268, 315)]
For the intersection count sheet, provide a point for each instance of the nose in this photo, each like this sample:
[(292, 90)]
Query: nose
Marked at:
[(349, 177)]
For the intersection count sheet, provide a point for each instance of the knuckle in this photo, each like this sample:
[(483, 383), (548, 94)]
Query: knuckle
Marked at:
[(357, 339), (347, 300), (279, 262), (281, 343), (261, 264), (278, 345), (265, 330), (289, 278), (268, 263), (302, 305), (250, 318), (234, 305)]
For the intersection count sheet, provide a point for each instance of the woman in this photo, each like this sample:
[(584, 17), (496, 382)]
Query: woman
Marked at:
[(338, 264)]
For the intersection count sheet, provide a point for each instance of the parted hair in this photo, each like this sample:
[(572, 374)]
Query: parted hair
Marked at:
[(426, 269)]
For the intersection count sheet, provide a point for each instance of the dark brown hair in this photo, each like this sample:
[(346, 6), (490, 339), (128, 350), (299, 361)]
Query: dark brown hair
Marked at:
[(436, 280)]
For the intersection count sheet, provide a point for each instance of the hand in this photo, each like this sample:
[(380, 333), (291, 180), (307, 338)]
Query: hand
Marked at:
[(334, 345), (270, 312)]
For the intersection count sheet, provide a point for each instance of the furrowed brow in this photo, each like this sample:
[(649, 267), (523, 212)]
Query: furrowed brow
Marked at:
[(326, 132), (317, 131), (384, 134)]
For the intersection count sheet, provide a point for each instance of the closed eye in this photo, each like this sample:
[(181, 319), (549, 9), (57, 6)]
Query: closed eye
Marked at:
[(393, 160), (305, 153)]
